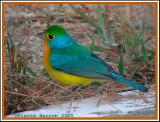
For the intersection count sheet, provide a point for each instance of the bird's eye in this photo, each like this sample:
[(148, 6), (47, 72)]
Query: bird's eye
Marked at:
[(50, 37)]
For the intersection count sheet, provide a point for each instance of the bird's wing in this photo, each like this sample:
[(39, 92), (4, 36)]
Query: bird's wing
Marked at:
[(84, 66)]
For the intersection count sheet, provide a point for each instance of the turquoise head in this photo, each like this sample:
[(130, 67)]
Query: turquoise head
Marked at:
[(57, 37)]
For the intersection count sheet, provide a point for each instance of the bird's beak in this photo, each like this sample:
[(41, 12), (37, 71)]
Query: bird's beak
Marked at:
[(40, 35)]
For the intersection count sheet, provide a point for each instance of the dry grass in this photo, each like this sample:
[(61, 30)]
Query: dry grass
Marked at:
[(27, 84)]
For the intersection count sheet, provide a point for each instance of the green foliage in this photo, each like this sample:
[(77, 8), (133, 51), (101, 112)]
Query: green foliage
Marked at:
[(86, 18), (98, 25), (151, 54), (96, 83), (135, 42), (30, 71), (92, 47), (120, 64), (18, 66), (23, 80), (143, 51), (101, 24), (9, 45)]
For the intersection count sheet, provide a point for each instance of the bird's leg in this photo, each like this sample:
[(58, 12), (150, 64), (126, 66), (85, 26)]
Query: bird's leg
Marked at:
[(100, 86), (75, 90), (72, 91)]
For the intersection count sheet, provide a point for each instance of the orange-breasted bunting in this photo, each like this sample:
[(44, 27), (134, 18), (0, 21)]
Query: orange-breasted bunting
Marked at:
[(70, 63)]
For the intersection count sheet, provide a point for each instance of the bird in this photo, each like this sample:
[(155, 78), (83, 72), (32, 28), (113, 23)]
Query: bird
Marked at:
[(70, 63)]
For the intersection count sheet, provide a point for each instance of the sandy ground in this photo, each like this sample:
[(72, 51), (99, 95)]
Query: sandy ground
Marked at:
[(91, 107)]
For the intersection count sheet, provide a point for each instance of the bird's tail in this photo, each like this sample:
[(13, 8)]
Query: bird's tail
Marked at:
[(130, 83)]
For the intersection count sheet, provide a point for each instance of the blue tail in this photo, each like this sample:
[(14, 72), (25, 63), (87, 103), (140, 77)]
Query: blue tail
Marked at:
[(130, 83)]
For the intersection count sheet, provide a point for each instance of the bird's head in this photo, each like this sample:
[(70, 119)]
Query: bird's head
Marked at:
[(56, 37)]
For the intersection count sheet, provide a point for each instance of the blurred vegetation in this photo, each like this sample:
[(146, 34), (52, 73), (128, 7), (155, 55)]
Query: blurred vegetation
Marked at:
[(122, 35)]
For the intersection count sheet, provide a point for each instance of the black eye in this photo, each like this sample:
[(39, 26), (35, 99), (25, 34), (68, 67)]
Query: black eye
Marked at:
[(50, 36)]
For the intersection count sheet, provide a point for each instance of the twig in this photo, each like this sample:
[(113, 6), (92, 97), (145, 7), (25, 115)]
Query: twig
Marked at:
[(20, 94), (36, 103), (10, 48)]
